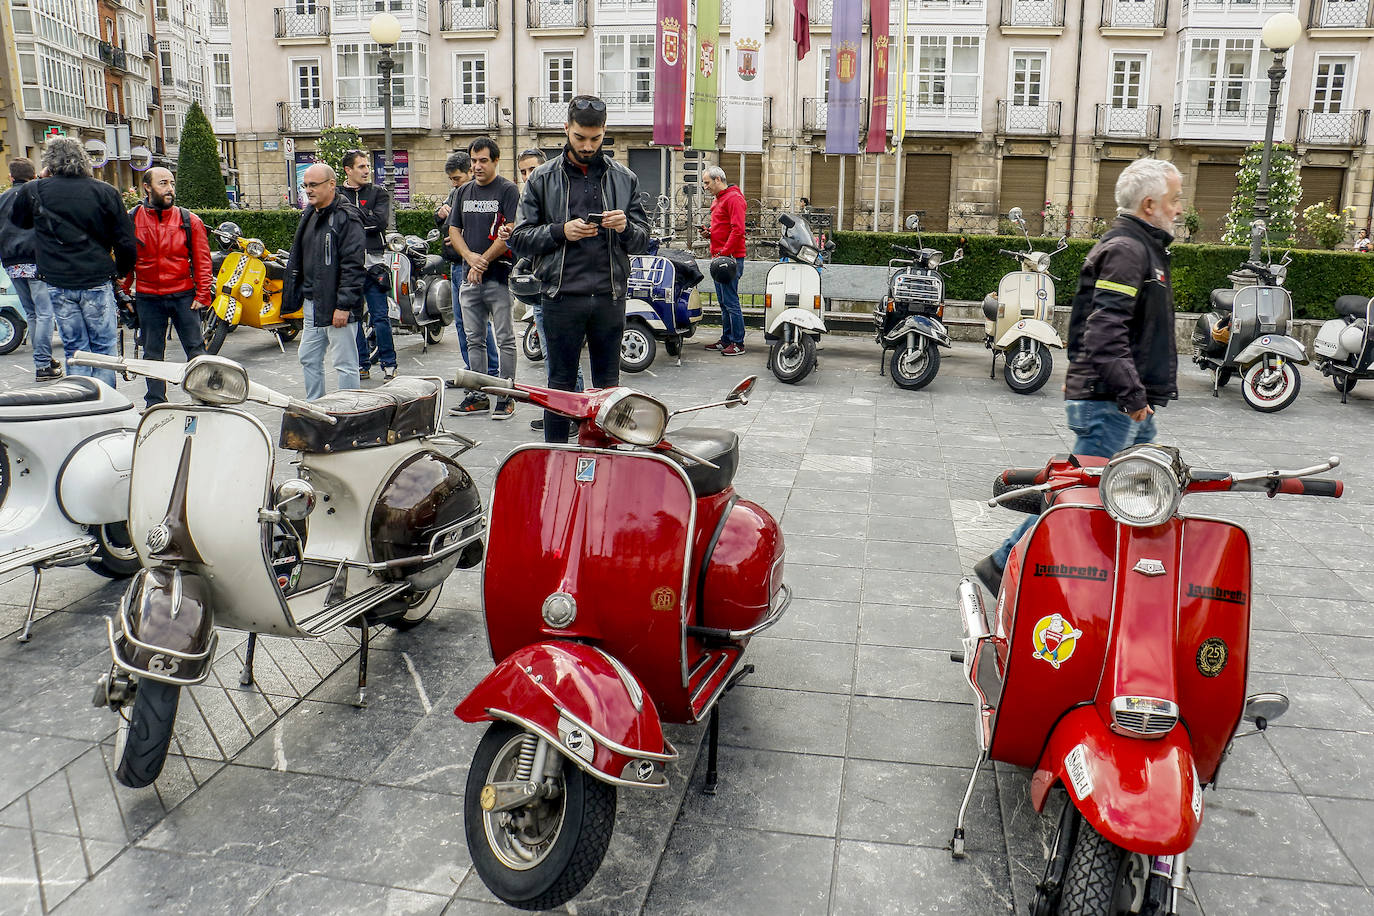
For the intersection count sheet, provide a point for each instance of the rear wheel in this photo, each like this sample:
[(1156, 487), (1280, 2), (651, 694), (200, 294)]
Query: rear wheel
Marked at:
[(915, 367), (792, 362), (1270, 388), (216, 329), (537, 856), (11, 331), (115, 556), (289, 333), (434, 333), (1344, 383), (418, 608), (1028, 369), (531, 345), (637, 347), (1224, 375), (141, 743)]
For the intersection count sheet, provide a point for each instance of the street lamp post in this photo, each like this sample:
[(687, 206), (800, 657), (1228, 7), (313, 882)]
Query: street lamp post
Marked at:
[(1280, 33), (385, 29)]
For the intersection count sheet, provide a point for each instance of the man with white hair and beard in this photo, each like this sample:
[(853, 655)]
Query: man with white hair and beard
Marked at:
[(79, 222), (1123, 359)]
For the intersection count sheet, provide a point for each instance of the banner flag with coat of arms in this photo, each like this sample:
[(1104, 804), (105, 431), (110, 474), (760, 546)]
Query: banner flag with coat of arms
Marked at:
[(744, 106), (707, 75), (670, 73), (881, 28), (845, 106)]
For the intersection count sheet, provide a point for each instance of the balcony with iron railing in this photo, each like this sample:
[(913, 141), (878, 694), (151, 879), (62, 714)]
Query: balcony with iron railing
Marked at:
[(938, 113), (820, 13), (1340, 14), (816, 114), (150, 46), (1134, 14), (412, 13), (408, 112), (1028, 120), (726, 8), (932, 12), (459, 115), (1333, 128), (1139, 123), (294, 118), (1032, 14), (546, 113), (156, 100), (464, 17), (293, 27), (556, 16), (114, 117), (222, 111), (723, 105), (139, 128), (1232, 13)]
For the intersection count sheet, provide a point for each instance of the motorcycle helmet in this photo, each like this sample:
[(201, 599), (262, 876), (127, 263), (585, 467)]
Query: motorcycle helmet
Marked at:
[(724, 269), (524, 286)]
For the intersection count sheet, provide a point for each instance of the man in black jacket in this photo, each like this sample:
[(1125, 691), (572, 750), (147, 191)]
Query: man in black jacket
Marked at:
[(374, 206), (325, 276), (1123, 360), (78, 221), (20, 262), (580, 219)]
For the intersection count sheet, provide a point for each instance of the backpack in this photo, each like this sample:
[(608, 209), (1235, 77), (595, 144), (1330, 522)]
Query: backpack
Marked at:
[(185, 227)]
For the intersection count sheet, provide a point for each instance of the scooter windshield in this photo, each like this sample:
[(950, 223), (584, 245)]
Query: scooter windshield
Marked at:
[(796, 235)]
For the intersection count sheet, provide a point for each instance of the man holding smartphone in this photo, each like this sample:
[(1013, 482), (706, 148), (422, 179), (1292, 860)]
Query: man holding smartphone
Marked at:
[(579, 223)]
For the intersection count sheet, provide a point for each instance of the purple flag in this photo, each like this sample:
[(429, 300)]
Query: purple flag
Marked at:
[(845, 105), (670, 73)]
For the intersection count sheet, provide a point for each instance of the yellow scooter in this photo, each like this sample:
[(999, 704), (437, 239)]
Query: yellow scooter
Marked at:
[(248, 285)]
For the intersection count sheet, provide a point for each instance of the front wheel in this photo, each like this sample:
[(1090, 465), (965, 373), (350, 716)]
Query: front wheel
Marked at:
[(531, 345), (637, 348), (540, 855), (141, 743), (434, 333), (11, 331), (1099, 878), (115, 556), (1269, 388), (1028, 369), (216, 329), (915, 367), (792, 362)]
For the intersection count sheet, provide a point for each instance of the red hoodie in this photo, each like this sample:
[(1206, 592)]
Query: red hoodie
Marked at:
[(727, 223), (163, 267)]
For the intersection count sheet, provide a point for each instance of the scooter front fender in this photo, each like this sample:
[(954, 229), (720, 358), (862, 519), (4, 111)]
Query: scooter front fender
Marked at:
[(582, 701), (921, 324), (1287, 347), (229, 310), (1142, 794), (166, 628), (1033, 328), (806, 320)]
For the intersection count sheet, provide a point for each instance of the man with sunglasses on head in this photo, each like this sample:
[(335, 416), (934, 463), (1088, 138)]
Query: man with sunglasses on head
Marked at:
[(374, 205), (579, 222), (458, 168)]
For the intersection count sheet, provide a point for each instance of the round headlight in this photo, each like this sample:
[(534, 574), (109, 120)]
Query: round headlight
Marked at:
[(395, 241), (1140, 488), (216, 380), (255, 248), (1042, 260), (936, 257), (246, 290), (560, 610), (633, 418)]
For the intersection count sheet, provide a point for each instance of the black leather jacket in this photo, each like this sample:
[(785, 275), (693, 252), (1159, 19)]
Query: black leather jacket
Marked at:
[(374, 206), (538, 233), (337, 263)]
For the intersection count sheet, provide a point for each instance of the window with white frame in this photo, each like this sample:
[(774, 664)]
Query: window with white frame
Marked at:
[(947, 70), (1330, 82), (164, 56), (305, 80), (1028, 78), (823, 90), (558, 76), (223, 89), (1128, 80), (470, 79), (357, 82), (1220, 76), (626, 72), (171, 123)]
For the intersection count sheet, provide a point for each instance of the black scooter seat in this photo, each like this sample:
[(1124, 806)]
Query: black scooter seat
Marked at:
[(73, 396), (719, 446), (1223, 299), (402, 409), (990, 306), (1352, 306)]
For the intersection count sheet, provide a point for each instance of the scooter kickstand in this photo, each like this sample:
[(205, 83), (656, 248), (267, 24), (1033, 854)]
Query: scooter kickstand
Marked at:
[(713, 740), (246, 675), (361, 701), (33, 605), (957, 844)]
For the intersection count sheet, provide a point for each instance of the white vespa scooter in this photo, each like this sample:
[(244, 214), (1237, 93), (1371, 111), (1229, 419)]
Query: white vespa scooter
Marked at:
[(1344, 349), (222, 546), (793, 305), (1017, 319), (66, 449)]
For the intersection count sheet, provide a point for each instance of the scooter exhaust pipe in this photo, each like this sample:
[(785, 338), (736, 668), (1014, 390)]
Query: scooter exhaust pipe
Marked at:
[(971, 608)]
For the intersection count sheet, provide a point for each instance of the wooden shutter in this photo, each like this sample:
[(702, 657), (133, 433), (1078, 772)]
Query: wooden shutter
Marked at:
[(1024, 180), (1321, 183), (1108, 171), (825, 184), (925, 186), (1211, 192), (752, 185)]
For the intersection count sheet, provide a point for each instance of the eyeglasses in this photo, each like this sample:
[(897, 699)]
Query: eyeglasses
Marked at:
[(312, 185), (585, 104)]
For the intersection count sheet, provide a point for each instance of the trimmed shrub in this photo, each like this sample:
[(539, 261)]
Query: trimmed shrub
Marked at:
[(199, 181)]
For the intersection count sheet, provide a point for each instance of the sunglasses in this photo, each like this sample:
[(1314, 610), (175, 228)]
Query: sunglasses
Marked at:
[(587, 104)]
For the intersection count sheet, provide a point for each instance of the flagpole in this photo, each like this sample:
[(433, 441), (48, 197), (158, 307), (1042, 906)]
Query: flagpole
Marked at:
[(900, 122), (877, 186)]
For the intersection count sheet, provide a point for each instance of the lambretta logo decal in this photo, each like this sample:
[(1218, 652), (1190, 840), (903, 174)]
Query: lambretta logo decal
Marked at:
[(1233, 596), (1060, 571)]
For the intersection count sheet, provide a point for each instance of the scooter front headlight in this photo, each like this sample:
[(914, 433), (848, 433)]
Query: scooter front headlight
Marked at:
[(246, 291), (216, 380), (1141, 487), (254, 248), (633, 418), (395, 241)]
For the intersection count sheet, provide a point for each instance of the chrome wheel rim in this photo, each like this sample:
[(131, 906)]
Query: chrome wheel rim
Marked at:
[(789, 357), (633, 346), (522, 839)]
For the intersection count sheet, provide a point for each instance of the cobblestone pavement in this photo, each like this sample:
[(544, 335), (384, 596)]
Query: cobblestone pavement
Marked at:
[(844, 756)]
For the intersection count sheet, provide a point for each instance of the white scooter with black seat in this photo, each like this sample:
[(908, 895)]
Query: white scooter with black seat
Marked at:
[(66, 449), (378, 517), (793, 305)]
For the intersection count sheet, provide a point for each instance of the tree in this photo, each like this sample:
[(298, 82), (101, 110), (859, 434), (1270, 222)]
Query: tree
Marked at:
[(1285, 190), (334, 142), (200, 184)]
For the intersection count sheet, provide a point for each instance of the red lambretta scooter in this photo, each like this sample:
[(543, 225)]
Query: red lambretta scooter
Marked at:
[(624, 578), (1116, 665)]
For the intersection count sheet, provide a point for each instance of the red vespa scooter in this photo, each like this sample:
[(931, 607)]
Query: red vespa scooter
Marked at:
[(1116, 665), (624, 578)]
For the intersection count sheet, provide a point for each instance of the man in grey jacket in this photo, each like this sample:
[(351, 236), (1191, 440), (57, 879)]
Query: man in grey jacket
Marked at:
[(579, 221)]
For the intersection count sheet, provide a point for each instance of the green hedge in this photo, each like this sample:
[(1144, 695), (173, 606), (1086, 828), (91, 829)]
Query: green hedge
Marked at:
[(1315, 278), (277, 228)]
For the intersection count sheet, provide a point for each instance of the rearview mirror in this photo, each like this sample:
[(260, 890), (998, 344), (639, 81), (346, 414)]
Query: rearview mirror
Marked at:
[(913, 222), (739, 395), (958, 255), (1014, 215), (1263, 708), (432, 235)]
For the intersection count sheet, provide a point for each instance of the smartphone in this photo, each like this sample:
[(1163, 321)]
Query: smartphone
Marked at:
[(594, 218)]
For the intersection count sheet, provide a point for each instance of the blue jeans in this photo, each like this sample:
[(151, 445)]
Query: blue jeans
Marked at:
[(375, 297), (731, 315), (1102, 430), (33, 296), (343, 353), (86, 320), (580, 384), (493, 355)]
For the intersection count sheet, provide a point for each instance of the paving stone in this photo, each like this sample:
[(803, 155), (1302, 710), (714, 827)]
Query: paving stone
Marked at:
[(874, 878), (830, 621), (19, 871), (1270, 834), (296, 894), (1324, 762), (330, 739), (728, 870), (804, 550), (827, 667), (765, 718), (1245, 894), (768, 790), (912, 731), (152, 881)]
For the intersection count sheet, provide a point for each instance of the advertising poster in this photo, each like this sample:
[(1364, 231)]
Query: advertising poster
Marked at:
[(402, 179)]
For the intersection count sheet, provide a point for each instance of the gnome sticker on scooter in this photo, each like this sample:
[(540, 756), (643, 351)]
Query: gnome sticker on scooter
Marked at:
[(1055, 639)]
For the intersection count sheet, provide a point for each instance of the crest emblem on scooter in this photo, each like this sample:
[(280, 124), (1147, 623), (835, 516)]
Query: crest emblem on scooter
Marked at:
[(586, 470), (663, 598), (1055, 639)]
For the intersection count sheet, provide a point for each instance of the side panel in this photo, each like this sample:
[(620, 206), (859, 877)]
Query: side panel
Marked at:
[(1023, 294), (94, 484)]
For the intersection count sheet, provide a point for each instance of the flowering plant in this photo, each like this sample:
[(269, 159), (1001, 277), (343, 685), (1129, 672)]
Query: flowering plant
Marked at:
[(1328, 227), (1285, 190)]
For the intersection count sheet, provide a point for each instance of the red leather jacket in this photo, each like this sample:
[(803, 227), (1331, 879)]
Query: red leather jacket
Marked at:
[(727, 223), (163, 267)]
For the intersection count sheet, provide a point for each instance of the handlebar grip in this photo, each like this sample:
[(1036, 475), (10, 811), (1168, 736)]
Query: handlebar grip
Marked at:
[(1313, 487), (1022, 477), (475, 381)]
